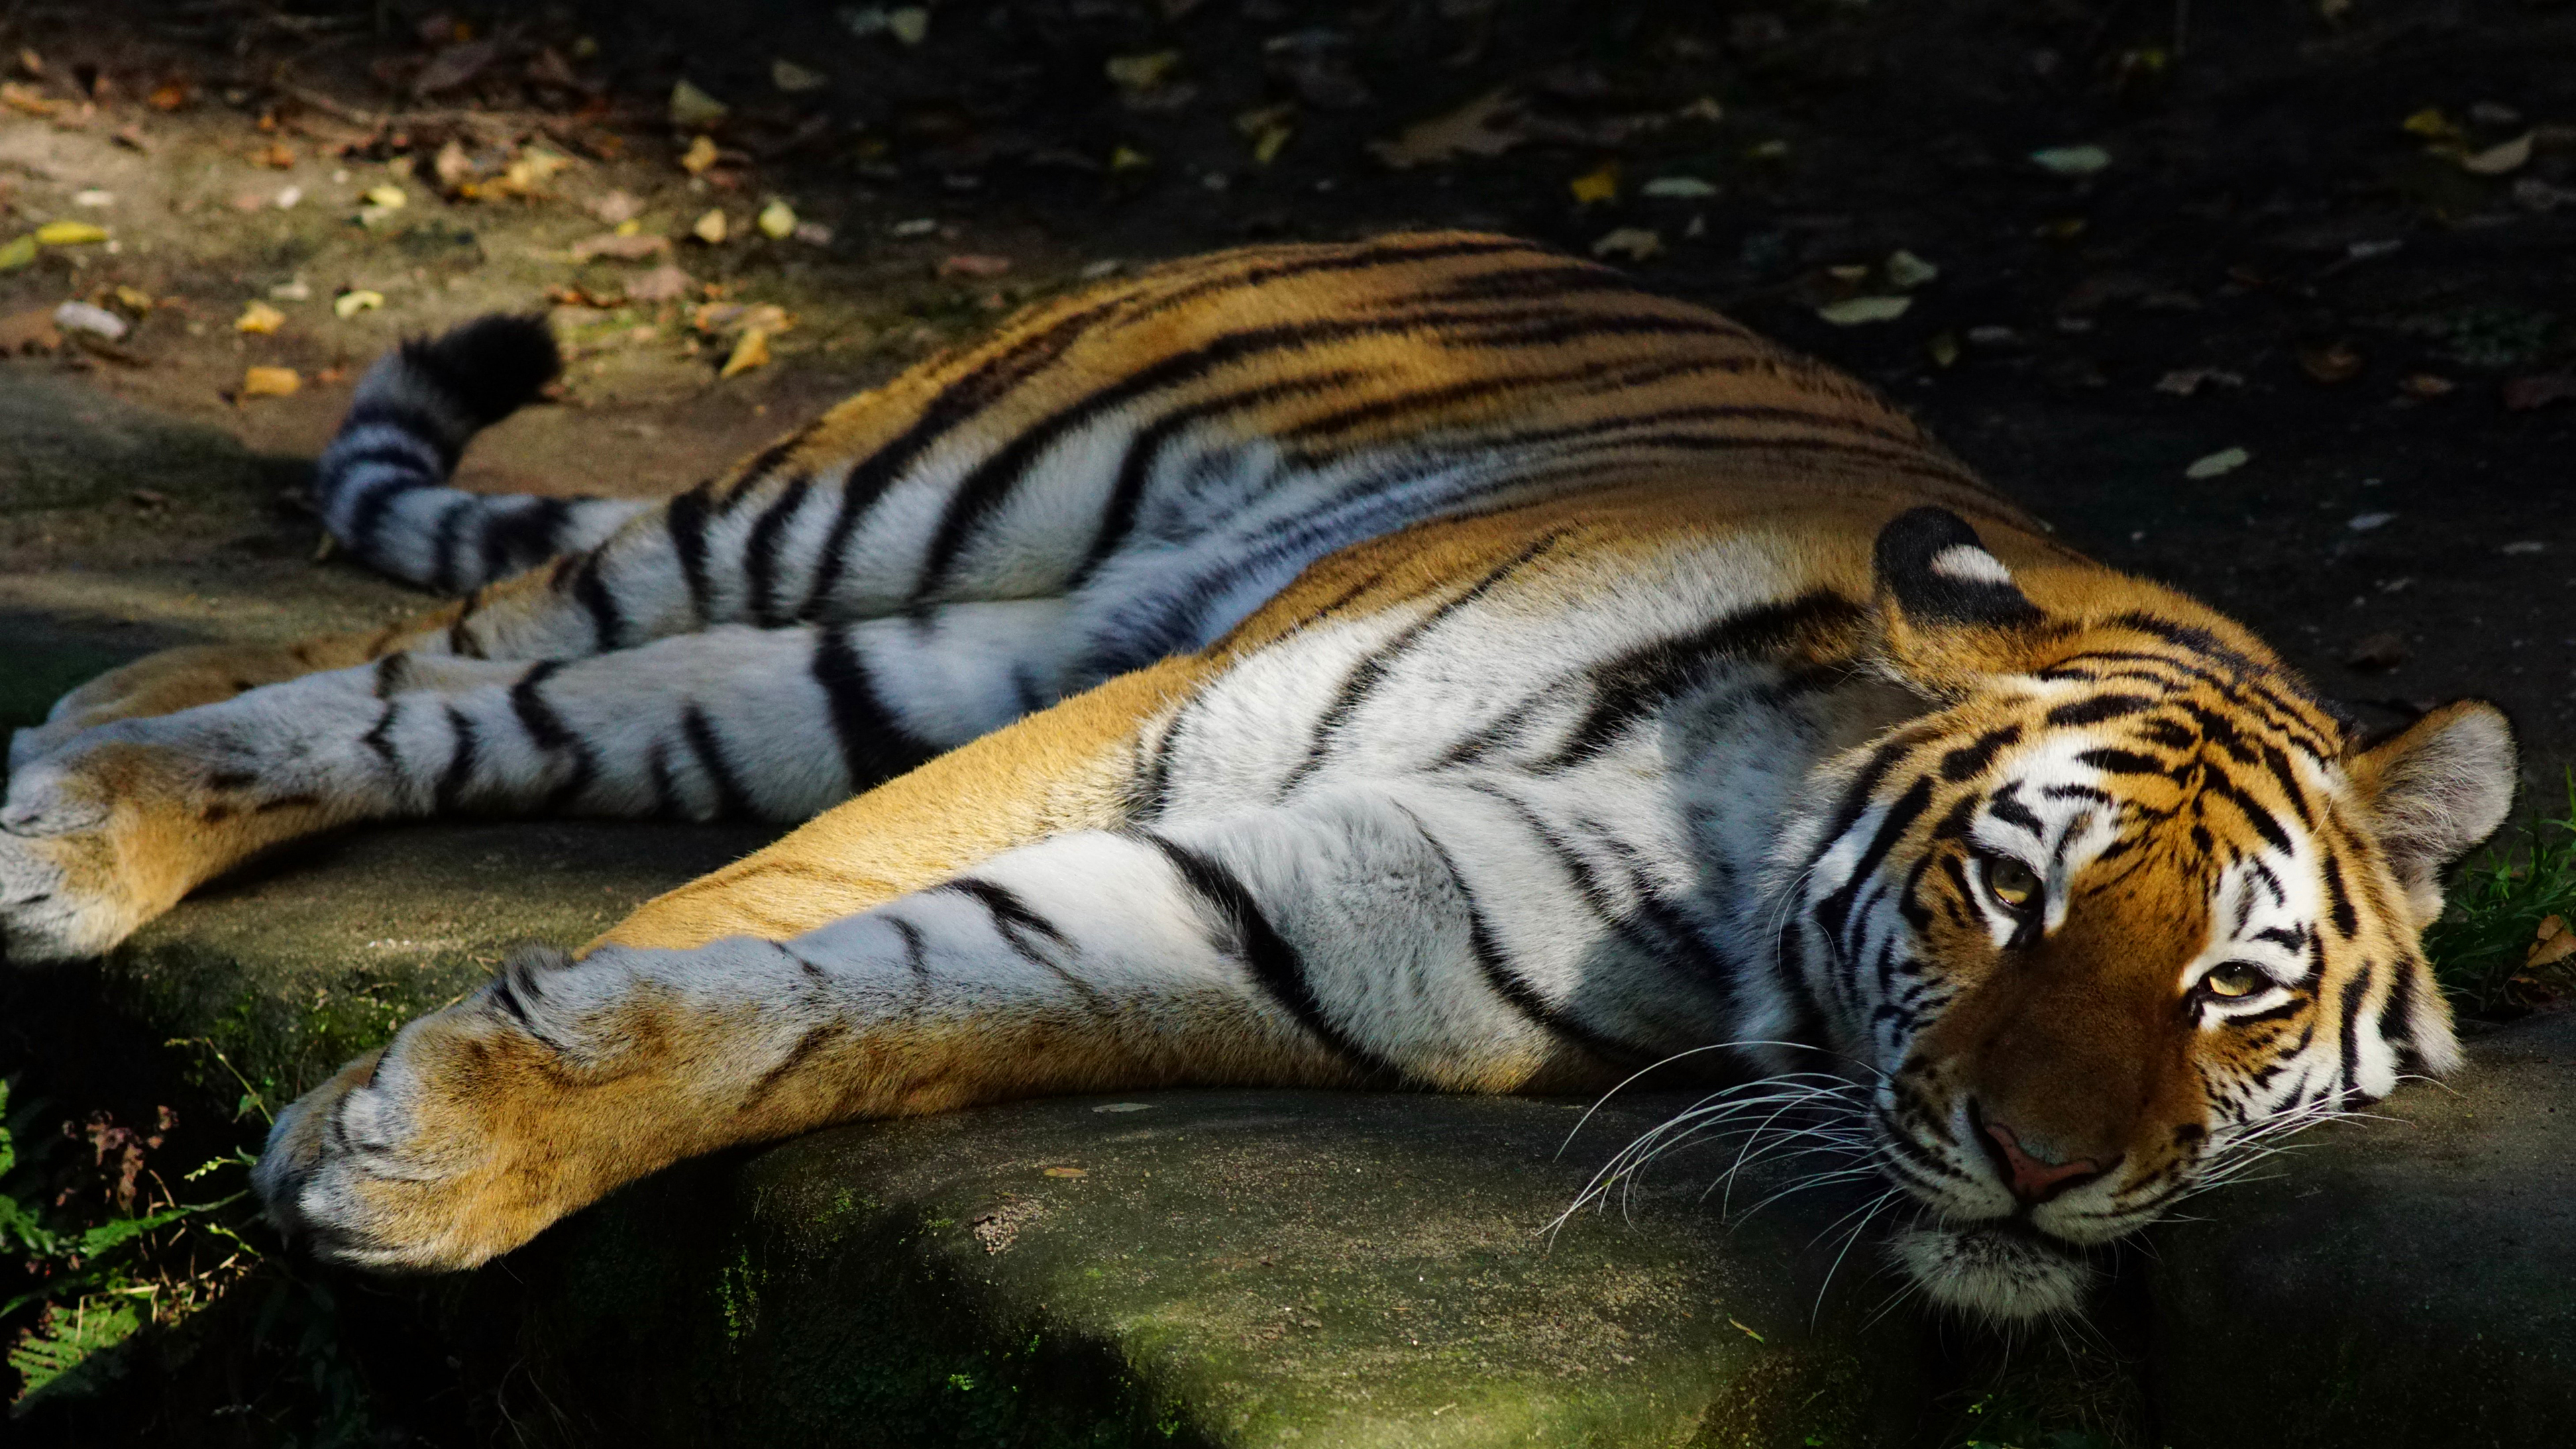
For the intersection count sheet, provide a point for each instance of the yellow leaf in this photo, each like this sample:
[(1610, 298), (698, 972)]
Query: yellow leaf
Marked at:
[(1943, 349), (70, 233), (700, 155), (795, 79), (750, 351), (1489, 125), (18, 253), (911, 24), (391, 198), (1142, 72), (2431, 124), (709, 228), (1066, 1172), (1601, 184), (350, 304), (271, 382), (1128, 158), (259, 318), (777, 221)]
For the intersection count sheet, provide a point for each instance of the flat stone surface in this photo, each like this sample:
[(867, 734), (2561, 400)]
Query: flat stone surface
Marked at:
[(294, 967), (2402, 1282), (1231, 1268)]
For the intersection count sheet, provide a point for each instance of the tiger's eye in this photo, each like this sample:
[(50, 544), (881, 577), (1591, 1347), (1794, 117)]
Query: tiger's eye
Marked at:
[(2232, 979), (2013, 883)]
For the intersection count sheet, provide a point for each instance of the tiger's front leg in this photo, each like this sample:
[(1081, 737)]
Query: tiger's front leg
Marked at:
[(1327, 945)]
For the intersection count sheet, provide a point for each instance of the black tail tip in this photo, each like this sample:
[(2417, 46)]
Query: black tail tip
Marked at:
[(492, 366)]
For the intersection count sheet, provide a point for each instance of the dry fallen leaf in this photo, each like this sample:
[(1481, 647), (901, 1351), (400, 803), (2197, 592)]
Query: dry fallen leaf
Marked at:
[(27, 99), (777, 221), (1853, 311), (1943, 349), (616, 208), (2071, 160), (1066, 1172), (2331, 363), (260, 319), (692, 108), (911, 24), (700, 156), (168, 96), (1906, 271), (453, 66), (350, 303), (1489, 125), (1677, 188), (2384, 650), (2497, 160), (270, 382), (969, 265), (2425, 385), (749, 351), (96, 321), (2523, 394), (710, 228), (795, 79), (2551, 944), (665, 283), (2185, 381), (2225, 460), (1599, 184), (30, 331), (18, 253), (1636, 243), (621, 246), (1142, 72)]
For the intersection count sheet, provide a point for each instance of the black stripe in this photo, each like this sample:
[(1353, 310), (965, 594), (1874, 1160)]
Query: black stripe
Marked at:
[(379, 738), (438, 433), (1971, 759), (2347, 921), (666, 787), (959, 402), (445, 537), (1144, 449), (760, 552), (2217, 783), (1370, 671), (686, 517), (2099, 708), (547, 731), (981, 492), (1507, 983), (1307, 264), (1646, 679), (528, 535), (731, 801), (1834, 910), (367, 520), (460, 762), (2350, 1030), (916, 954), (591, 591), (2397, 1017), (1015, 923), (874, 748), (1243, 931), (2112, 761)]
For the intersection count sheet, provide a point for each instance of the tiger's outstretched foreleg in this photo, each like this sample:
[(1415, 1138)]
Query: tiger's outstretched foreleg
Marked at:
[(776, 724), (1326, 944)]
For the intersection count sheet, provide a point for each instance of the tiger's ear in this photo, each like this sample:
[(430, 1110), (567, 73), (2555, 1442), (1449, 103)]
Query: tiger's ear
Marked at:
[(2433, 791), (1950, 610)]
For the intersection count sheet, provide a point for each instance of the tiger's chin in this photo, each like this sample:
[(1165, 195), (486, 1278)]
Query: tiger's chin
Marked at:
[(2000, 1271)]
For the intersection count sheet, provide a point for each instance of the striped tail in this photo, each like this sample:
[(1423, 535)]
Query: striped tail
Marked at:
[(381, 484)]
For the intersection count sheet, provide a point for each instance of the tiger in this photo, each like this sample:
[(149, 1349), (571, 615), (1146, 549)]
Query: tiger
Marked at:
[(1427, 663)]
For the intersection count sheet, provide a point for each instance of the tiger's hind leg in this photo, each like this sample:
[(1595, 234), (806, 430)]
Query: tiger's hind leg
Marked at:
[(774, 724)]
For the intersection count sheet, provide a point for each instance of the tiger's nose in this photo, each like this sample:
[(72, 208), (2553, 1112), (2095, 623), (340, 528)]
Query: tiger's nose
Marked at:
[(2035, 1180)]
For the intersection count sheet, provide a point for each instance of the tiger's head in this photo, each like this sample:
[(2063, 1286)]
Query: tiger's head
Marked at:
[(2126, 902)]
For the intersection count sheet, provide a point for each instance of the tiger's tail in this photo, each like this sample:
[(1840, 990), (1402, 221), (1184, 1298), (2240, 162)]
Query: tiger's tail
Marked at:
[(381, 485)]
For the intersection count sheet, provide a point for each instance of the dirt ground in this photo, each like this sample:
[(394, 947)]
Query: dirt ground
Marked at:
[(2274, 300)]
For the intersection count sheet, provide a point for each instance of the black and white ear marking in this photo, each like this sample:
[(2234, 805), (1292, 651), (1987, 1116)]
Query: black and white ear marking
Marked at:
[(1931, 562)]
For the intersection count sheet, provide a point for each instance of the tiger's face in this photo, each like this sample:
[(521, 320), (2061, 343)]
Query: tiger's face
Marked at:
[(2126, 906)]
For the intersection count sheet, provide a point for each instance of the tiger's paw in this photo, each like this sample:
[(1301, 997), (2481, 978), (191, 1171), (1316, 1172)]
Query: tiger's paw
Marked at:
[(64, 889), (437, 1152)]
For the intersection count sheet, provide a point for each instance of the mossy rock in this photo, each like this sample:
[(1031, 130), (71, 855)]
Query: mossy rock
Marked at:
[(2404, 1281), (1229, 1268), (291, 969)]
